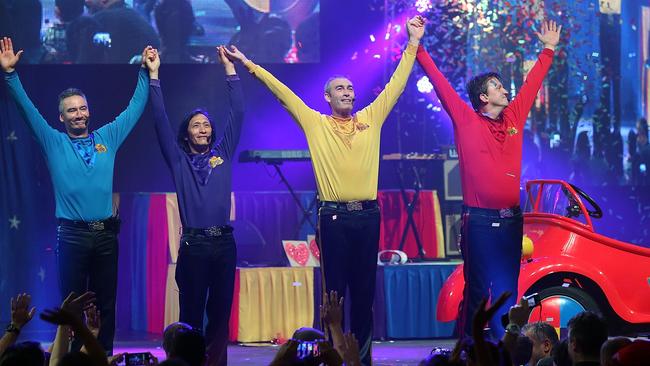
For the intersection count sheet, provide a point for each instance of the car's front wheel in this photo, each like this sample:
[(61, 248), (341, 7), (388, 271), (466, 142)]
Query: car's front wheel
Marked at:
[(558, 304)]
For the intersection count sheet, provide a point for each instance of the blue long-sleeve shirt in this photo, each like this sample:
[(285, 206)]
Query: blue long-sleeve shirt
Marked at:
[(81, 191), (202, 203)]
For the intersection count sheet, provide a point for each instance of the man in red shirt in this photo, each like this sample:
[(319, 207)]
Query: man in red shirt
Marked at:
[(489, 142)]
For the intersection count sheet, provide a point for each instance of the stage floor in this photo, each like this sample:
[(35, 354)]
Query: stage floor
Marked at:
[(397, 353), (384, 353)]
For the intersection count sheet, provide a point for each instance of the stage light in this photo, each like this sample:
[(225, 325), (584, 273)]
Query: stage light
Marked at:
[(423, 5), (424, 85)]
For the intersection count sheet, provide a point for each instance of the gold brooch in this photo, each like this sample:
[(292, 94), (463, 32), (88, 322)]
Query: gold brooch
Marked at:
[(215, 160), (100, 148), (512, 131)]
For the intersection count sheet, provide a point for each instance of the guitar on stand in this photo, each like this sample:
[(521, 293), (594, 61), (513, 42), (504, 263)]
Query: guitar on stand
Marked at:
[(412, 162)]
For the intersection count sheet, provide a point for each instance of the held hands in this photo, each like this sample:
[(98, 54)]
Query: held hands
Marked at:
[(235, 54), (8, 59), (151, 59), (550, 35), (21, 314), (415, 29), (227, 63)]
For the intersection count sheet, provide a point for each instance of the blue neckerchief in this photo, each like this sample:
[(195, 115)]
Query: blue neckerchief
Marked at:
[(86, 148), (201, 165)]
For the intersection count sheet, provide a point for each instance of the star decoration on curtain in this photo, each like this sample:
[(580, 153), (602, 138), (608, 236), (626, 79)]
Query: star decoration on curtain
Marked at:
[(14, 222), (12, 136)]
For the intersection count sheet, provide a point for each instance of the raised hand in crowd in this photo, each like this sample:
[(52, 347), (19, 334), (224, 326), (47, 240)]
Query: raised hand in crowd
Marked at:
[(550, 35), (8, 59), (331, 312), (21, 314), (69, 315), (350, 350), (481, 317)]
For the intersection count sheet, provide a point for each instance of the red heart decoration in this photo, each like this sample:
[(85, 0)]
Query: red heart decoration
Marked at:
[(299, 253), (314, 249)]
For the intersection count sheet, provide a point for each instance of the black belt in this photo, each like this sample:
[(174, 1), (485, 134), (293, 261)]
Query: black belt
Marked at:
[(351, 205), (112, 223), (502, 213), (212, 231)]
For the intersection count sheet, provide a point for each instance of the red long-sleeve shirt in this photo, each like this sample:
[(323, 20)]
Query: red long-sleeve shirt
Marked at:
[(489, 150)]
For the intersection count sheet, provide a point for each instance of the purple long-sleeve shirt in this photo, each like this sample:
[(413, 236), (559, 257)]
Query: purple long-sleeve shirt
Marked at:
[(201, 203)]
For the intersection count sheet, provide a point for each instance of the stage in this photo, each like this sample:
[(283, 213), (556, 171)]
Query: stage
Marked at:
[(394, 353)]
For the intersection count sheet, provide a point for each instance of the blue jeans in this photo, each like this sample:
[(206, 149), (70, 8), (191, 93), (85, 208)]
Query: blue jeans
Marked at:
[(87, 261), (205, 269), (349, 241), (491, 248)]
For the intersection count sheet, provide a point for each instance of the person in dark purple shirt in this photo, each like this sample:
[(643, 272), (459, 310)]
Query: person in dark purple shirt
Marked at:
[(201, 166)]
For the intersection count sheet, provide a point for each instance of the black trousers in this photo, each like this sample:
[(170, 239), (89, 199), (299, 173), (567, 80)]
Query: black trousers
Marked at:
[(349, 242), (206, 269), (87, 261), (491, 249)]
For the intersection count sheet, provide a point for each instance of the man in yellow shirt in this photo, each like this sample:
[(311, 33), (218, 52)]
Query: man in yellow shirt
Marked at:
[(344, 148)]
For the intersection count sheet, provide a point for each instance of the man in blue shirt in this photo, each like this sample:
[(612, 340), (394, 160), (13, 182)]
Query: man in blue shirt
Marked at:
[(81, 165)]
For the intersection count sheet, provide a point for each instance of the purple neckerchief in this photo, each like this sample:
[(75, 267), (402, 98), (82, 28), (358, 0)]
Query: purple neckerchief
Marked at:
[(201, 165)]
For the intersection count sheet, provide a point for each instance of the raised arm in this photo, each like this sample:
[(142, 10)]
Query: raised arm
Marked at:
[(8, 61), (162, 125), (300, 112), (521, 104), (61, 344), (228, 143), (120, 128), (453, 104), (21, 314), (379, 109)]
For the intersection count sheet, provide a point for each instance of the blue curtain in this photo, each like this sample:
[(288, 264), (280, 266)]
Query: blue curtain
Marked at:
[(27, 223)]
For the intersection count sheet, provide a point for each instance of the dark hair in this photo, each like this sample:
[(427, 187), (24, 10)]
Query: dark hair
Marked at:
[(189, 346), (173, 362), (541, 331), (477, 86), (170, 333), (174, 20), (67, 94), (23, 354), (75, 359), (70, 9), (589, 331), (561, 354), (183, 136)]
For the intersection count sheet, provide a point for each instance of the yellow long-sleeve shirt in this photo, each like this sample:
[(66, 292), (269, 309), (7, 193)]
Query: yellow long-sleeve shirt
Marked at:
[(344, 153)]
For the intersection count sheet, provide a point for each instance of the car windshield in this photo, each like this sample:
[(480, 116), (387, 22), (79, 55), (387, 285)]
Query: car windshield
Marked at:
[(555, 199)]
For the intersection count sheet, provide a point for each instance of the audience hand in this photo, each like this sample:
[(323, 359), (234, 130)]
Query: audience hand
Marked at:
[(351, 355), (21, 314), (331, 310)]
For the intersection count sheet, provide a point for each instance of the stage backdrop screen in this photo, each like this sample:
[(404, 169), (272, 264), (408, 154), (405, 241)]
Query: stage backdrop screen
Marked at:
[(185, 31)]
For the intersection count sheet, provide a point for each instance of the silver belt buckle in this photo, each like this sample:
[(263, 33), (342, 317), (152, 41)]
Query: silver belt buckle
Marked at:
[(213, 231), (96, 225), (354, 206), (506, 213)]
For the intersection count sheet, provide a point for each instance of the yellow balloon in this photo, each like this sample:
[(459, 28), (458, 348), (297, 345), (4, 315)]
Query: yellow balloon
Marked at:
[(527, 247)]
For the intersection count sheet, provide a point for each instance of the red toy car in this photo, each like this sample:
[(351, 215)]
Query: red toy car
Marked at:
[(572, 267)]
